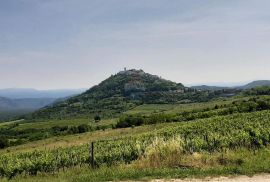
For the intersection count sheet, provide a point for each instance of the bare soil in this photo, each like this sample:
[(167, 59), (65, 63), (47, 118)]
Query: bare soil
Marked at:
[(256, 178)]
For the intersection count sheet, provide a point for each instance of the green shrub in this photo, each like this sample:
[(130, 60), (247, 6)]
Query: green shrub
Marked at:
[(4, 143)]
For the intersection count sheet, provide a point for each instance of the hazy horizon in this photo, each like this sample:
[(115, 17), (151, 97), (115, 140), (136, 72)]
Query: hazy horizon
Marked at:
[(76, 44), (221, 84)]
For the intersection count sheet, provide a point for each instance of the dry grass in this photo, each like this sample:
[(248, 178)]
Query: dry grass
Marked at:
[(176, 159), (162, 153), (84, 138), (170, 154)]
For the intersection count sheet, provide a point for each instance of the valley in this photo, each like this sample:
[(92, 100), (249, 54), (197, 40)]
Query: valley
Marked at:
[(141, 127)]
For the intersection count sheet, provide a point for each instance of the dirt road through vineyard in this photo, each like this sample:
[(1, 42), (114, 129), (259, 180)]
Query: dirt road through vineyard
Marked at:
[(256, 178)]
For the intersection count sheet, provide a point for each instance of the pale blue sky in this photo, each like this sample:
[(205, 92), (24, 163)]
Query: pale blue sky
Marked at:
[(48, 44)]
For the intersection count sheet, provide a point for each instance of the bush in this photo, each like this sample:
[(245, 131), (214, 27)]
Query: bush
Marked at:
[(97, 118), (261, 90), (83, 128), (73, 130), (130, 120), (4, 143), (59, 129)]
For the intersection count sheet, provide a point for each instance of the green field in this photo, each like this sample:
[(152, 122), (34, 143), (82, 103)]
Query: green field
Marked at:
[(215, 134), (253, 164), (72, 122), (10, 122), (176, 108), (83, 138), (223, 136)]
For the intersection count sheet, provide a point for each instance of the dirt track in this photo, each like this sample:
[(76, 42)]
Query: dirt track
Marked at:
[(256, 178)]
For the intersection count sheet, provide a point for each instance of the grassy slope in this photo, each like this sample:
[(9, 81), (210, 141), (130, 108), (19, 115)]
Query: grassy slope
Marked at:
[(64, 122), (142, 109), (252, 164), (176, 108), (6, 115), (84, 138), (71, 140), (33, 128), (10, 123), (198, 164)]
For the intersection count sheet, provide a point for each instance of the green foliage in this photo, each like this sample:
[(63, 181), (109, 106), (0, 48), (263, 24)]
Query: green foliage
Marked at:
[(215, 134), (18, 132), (120, 93), (106, 99), (9, 115), (83, 128), (261, 90), (126, 90), (97, 118), (130, 120), (239, 106), (4, 143), (25, 131)]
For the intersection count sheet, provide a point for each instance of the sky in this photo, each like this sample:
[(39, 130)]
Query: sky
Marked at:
[(53, 44)]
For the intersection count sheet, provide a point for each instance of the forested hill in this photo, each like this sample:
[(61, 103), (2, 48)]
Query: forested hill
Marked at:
[(256, 83), (125, 90), (28, 103), (12, 108), (116, 94)]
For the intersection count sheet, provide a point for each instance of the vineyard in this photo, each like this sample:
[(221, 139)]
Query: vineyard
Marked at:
[(251, 130)]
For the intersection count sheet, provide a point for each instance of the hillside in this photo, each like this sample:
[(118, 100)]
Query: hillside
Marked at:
[(196, 145), (116, 94), (126, 90), (257, 83), (10, 108), (250, 85), (31, 103), (182, 132)]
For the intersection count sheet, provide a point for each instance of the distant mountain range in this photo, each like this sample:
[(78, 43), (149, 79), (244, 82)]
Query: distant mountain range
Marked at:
[(29, 103), (11, 108), (15, 102), (19, 93), (250, 85)]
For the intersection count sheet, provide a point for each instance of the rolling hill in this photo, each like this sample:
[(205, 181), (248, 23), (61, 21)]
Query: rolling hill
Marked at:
[(115, 95), (126, 90), (15, 102), (250, 85), (10, 108), (256, 83), (63, 130)]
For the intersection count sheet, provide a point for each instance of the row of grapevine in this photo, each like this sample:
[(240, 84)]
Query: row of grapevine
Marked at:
[(228, 132)]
